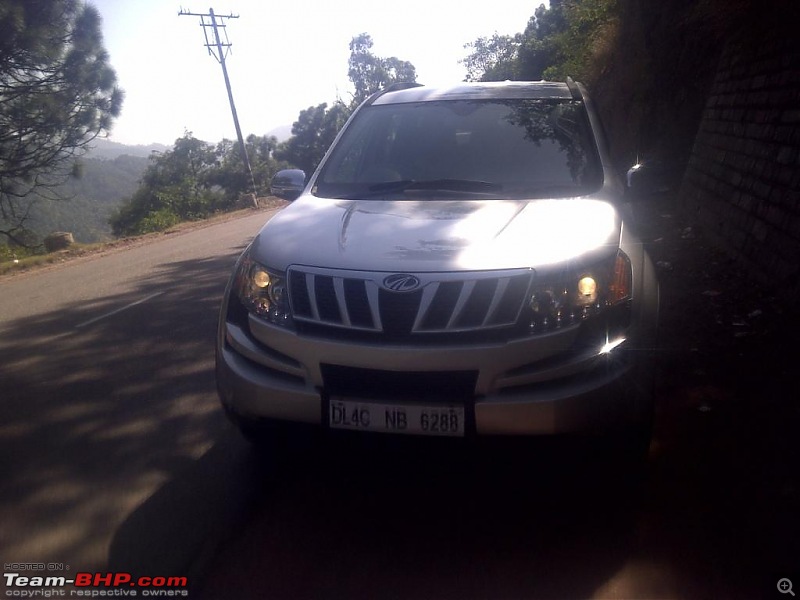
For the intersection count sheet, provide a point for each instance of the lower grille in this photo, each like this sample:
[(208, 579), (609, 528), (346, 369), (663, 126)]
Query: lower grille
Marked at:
[(428, 386)]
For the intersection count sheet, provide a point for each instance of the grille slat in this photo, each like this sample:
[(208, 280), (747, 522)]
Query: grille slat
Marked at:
[(398, 311), (341, 302), (442, 305), (312, 293), (372, 297), (327, 304), (473, 314), (298, 291), (499, 294), (463, 297), (358, 305), (512, 301), (444, 302)]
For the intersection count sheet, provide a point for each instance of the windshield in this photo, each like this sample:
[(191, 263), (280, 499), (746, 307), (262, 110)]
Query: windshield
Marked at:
[(465, 148)]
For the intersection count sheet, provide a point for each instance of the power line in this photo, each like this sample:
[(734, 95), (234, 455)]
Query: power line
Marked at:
[(219, 50)]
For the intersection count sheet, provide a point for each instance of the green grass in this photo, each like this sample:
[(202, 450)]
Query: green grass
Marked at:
[(9, 264), (25, 261)]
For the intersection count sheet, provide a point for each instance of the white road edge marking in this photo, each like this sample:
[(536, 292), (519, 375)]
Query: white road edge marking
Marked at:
[(117, 311)]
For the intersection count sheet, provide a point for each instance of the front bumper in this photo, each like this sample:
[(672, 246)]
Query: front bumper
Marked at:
[(527, 395)]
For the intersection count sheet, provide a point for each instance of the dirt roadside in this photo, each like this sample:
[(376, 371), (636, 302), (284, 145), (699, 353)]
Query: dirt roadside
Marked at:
[(725, 463), (80, 252)]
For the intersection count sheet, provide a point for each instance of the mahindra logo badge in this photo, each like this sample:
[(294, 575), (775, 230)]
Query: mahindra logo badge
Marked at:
[(401, 282)]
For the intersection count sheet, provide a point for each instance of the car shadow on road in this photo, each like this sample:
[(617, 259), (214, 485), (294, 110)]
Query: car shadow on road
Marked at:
[(385, 518), (97, 413), (175, 532)]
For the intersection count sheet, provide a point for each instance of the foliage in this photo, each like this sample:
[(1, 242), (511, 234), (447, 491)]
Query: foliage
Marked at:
[(585, 23), (229, 173), (493, 58), (57, 93), (158, 220), (317, 126), (370, 73), (174, 186), (312, 134), (91, 200), (193, 180), (10, 253), (649, 64), (87, 202), (558, 41)]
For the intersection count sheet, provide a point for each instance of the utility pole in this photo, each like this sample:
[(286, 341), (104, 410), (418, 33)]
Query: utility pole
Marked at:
[(216, 23)]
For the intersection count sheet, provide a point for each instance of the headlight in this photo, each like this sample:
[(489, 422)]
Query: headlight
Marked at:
[(262, 292), (580, 294)]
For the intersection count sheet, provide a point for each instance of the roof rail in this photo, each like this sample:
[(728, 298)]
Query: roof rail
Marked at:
[(573, 89), (400, 85), (392, 87)]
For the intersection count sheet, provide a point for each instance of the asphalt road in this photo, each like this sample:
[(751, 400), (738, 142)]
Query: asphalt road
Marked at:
[(107, 397), (114, 456)]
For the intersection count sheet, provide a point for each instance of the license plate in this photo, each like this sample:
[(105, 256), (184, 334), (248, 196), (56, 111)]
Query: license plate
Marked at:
[(393, 418)]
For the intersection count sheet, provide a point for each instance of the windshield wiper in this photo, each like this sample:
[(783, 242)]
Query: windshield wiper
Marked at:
[(384, 188), (547, 191), (448, 185)]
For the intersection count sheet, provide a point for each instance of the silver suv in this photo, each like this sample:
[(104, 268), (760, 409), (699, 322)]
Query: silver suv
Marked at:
[(462, 263)]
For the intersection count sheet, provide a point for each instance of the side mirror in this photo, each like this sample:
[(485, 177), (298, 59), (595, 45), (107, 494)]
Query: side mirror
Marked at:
[(650, 177), (288, 184)]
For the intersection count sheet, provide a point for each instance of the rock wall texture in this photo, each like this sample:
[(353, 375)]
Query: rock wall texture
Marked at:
[(742, 183)]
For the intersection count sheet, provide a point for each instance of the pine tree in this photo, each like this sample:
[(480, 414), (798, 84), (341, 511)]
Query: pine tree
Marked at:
[(57, 94)]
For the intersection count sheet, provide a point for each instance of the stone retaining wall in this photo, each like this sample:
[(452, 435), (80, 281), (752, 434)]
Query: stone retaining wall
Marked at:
[(743, 178)]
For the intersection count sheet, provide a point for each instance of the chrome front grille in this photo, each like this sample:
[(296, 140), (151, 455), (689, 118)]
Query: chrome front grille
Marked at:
[(442, 303)]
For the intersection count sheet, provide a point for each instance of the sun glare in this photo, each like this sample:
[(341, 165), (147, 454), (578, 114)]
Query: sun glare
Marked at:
[(544, 232)]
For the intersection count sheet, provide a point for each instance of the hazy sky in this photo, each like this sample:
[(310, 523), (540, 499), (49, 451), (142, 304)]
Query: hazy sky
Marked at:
[(287, 55)]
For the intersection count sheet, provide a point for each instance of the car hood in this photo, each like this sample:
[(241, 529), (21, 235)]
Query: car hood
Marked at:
[(436, 235)]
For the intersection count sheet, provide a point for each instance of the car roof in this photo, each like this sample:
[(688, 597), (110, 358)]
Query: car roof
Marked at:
[(478, 91)]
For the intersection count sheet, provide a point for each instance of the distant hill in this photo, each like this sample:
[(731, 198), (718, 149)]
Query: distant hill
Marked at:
[(111, 173), (90, 200), (283, 133), (108, 150)]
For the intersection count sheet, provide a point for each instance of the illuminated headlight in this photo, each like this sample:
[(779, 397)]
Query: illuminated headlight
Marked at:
[(262, 292), (580, 294), (587, 288)]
